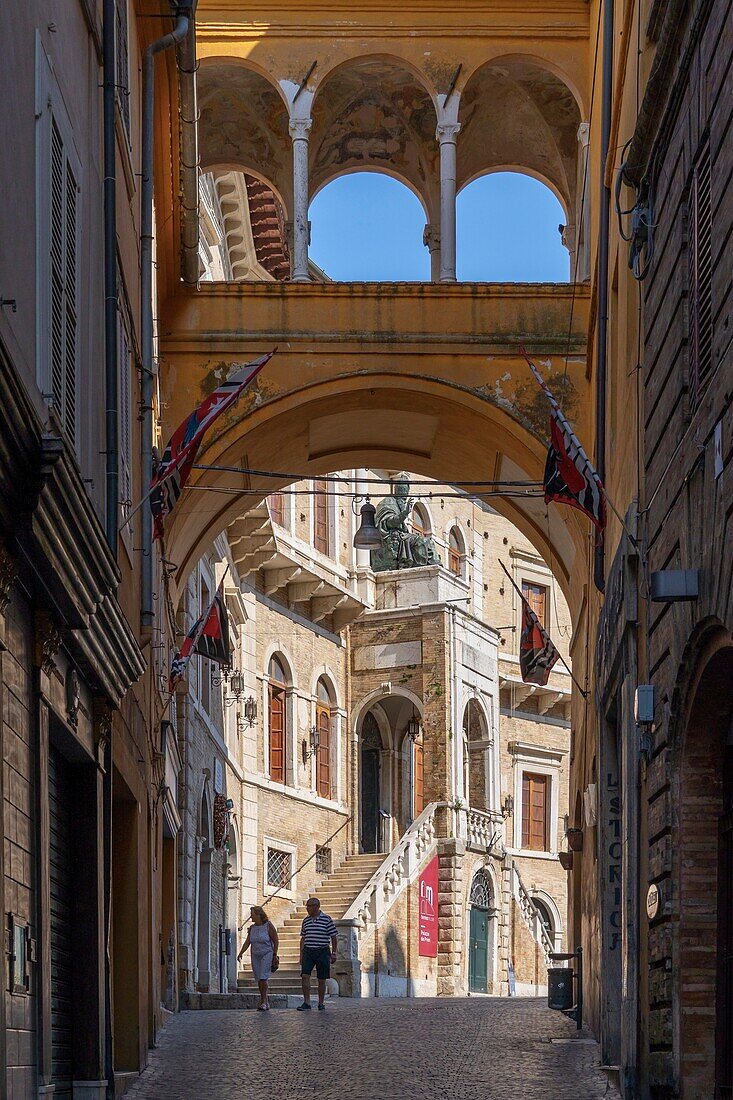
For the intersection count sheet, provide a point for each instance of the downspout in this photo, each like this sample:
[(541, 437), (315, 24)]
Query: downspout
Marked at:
[(183, 20), (112, 475), (112, 490), (188, 115), (604, 207)]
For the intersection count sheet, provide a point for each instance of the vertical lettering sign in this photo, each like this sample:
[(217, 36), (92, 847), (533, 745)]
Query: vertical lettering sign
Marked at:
[(428, 894), (613, 823)]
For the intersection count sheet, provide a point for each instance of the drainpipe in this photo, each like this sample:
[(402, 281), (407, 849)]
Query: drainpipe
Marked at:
[(188, 116), (110, 278), (183, 19), (604, 207)]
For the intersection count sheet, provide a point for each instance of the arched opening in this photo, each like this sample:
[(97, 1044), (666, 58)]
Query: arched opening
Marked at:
[(368, 226), (705, 869), (324, 726), (203, 904), (481, 904), (421, 524), (277, 719), (476, 764), (516, 114), (508, 230), (233, 887), (370, 756)]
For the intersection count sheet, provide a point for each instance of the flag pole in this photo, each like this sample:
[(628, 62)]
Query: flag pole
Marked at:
[(559, 654)]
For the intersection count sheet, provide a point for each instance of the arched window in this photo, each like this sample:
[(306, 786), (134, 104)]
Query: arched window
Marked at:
[(323, 725), (455, 551), (321, 526), (420, 521), (277, 719), (481, 893), (545, 916)]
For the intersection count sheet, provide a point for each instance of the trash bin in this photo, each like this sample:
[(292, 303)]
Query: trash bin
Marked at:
[(559, 988)]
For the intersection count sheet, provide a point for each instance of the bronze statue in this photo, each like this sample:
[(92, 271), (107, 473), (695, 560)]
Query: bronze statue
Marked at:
[(401, 549)]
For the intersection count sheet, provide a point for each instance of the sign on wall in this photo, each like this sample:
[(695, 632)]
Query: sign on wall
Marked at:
[(428, 894)]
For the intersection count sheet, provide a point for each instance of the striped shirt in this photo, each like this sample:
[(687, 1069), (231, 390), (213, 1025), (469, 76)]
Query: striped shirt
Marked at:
[(316, 931)]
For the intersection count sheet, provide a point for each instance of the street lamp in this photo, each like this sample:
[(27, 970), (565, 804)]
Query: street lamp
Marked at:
[(315, 740), (413, 728), (250, 710)]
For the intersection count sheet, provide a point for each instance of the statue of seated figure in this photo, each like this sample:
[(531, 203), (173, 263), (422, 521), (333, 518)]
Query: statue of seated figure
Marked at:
[(401, 549)]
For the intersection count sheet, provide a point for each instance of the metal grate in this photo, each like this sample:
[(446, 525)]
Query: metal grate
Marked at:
[(700, 254), (481, 891), (323, 861), (279, 867)]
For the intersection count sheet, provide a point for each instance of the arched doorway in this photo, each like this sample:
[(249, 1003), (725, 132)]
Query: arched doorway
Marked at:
[(371, 751), (704, 778), (203, 900), (481, 901), (476, 761)]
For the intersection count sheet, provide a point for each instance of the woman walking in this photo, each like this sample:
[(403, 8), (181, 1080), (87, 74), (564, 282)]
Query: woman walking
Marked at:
[(262, 938)]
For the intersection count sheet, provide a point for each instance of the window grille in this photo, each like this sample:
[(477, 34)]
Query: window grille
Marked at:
[(122, 65), (323, 861), (279, 867), (64, 284), (481, 891), (700, 273)]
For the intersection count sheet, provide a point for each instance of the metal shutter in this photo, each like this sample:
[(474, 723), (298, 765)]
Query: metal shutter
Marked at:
[(61, 875)]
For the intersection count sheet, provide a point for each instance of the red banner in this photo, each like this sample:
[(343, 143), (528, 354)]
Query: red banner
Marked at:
[(428, 892)]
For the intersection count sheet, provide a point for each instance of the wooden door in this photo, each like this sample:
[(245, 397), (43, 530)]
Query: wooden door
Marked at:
[(321, 540), (370, 800), (534, 812), (724, 982), (62, 922), (419, 779)]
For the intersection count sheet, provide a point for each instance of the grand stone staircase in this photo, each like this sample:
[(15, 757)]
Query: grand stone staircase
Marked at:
[(336, 895)]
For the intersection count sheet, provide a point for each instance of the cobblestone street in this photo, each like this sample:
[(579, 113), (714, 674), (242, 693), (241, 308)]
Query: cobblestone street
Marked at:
[(374, 1050)]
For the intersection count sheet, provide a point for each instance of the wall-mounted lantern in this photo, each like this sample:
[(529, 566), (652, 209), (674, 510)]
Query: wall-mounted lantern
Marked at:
[(250, 710), (508, 808), (414, 728), (310, 747)]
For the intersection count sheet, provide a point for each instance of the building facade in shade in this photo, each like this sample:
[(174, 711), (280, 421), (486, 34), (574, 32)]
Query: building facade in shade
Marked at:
[(392, 729)]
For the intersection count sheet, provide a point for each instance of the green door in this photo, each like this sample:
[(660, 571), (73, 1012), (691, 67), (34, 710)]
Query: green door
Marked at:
[(478, 955)]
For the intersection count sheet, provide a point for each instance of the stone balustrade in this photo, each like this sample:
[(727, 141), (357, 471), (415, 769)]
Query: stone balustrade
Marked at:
[(530, 915)]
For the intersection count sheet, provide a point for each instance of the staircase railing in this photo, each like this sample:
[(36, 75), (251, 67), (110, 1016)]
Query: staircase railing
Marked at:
[(484, 829), (396, 872), (531, 915)]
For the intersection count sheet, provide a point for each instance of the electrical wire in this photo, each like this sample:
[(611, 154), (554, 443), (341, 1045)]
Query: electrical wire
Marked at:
[(337, 480), (478, 495)]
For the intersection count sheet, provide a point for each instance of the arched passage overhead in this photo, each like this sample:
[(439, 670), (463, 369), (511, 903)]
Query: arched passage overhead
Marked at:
[(438, 402), (243, 123), (517, 113), (372, 113)]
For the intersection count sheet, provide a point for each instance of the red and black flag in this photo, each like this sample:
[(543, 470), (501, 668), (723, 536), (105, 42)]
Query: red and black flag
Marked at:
[(209, 636), (537, 652), (179, 456), (570, 477)]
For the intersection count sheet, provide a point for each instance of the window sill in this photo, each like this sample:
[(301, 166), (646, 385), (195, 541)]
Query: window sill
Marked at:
[(529, 853)]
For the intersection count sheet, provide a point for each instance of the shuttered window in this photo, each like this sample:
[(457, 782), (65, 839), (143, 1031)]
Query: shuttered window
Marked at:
[(534, 812), (276, 725), (700, 277), (122, 65), (125, 438), (536, 597), (454, 553), (64, 281), (323, 759), (420, 523), (321, 539), (277, 508)]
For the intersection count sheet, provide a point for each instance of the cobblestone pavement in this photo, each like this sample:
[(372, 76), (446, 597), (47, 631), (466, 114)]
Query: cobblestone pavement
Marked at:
[(460, 1049)]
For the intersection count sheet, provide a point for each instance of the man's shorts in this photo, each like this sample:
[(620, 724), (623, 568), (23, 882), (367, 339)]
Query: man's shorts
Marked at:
[(320, 958)]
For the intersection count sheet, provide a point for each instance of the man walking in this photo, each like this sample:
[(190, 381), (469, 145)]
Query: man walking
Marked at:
[(318, 941)]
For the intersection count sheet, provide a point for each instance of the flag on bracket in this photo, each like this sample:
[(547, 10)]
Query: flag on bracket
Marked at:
[(538, 654), (570, 477), (179, 456), (209, 636)]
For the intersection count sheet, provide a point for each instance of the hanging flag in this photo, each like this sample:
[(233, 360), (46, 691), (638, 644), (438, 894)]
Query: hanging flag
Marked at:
[(537, 652), (174, 469), (570, 477), (209, 636)]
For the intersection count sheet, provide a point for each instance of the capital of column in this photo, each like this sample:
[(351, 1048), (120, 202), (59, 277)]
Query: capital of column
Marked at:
[(447, 132), (431, 236), (300, 128), (584, 134)]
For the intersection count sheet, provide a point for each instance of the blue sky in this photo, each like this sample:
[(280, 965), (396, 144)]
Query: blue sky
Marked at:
[(368, 226)]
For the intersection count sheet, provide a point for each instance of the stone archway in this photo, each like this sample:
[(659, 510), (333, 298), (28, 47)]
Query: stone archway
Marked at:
[(703, 779)]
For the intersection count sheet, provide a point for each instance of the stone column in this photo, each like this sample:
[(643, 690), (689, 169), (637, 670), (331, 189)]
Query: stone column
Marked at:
[(431, 240), (299, 131), (447, 134)]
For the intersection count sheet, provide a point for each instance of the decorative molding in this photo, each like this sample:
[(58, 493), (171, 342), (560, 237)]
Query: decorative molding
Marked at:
[(8, 575), (48, 641)]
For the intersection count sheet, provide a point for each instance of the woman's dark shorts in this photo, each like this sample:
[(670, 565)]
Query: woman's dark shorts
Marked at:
[(320, 958)]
